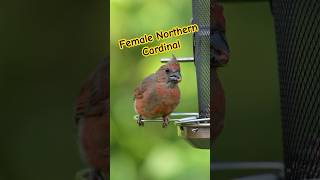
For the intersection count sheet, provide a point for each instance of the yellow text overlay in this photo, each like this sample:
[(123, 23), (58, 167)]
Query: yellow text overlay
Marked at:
[(159, 35), (162, 48)]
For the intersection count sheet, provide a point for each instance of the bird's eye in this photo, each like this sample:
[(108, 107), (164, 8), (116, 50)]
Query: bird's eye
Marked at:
[(167, 70)]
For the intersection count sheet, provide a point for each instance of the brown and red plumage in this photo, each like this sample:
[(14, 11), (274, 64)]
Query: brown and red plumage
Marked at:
[(220, 54), (158, 94), (218, 45), (92, 119), (218, 105)]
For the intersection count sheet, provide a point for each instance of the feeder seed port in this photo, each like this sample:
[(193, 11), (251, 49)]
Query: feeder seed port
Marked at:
[(193, 129), (192, 118)]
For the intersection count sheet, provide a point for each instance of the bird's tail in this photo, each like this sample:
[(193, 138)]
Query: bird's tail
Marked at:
[(90, 174), (97, 175)]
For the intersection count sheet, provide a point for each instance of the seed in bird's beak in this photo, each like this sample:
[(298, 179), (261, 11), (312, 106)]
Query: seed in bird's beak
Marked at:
[(175, 77)]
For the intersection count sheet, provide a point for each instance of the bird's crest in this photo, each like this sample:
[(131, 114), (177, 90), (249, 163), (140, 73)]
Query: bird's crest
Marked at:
[(173, 63)]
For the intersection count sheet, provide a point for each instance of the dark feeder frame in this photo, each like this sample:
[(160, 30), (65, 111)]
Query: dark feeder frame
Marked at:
[(272, 170), (297, 37)]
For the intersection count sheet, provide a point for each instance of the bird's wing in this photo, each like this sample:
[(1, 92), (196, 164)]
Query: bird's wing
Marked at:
[(92, 118), (94, 94), (138, 92)]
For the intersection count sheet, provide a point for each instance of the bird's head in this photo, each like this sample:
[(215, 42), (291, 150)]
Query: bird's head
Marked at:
[(170, 72)]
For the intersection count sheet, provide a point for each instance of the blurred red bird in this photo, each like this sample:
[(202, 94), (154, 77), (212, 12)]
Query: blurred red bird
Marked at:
[(158, 94), (220, 53), (218, 105), (92, 119)]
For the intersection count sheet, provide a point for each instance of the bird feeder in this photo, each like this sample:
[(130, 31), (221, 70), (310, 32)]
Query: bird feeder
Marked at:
[(195, 126)]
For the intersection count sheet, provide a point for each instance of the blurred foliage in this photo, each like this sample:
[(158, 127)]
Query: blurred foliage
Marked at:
[(151, 152), (253, 125), (48, 49)]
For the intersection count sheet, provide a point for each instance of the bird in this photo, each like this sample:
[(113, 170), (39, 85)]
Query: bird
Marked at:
[(220, 54), (220, 51), (92, 121), (218, 105), (158, 94)]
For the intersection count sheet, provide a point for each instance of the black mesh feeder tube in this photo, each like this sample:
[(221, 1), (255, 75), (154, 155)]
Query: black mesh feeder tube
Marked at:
[(201, 16), (297, 26), (197, 131)]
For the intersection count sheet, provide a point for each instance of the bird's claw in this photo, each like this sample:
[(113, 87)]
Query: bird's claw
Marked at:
[(165, 122), (140, 122)]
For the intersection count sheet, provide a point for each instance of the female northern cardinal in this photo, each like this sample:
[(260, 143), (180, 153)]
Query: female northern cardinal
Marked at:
[(158, 94), (92, 118)]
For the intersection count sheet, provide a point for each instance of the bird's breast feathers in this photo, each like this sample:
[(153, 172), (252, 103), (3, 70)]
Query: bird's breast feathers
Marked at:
[(158, 100), (168, 94)]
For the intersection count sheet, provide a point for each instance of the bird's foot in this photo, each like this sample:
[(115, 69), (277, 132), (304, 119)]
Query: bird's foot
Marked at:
[(165, 121), (139, 121)]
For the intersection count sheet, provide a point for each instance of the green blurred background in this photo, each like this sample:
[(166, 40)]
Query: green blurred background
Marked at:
[(253, 125), (151, 152), (47, 50)]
